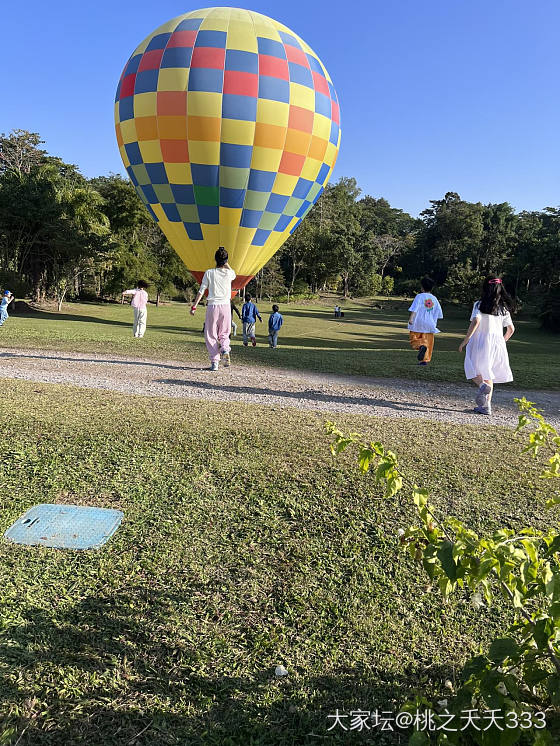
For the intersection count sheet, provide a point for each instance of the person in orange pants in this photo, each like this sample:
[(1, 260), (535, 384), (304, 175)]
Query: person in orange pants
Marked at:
[(425, 312)]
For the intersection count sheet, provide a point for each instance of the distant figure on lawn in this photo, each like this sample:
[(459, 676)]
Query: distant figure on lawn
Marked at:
[(275, 321), (249, 315), (486, 358), (234, 309), (217, 325), (422, 323), (140, 307), (7, 298)]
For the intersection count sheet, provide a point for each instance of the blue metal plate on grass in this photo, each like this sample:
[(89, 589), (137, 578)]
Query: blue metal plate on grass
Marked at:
[(65, 526)]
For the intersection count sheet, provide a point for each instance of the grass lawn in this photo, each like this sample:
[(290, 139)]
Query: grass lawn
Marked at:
[(244, 546), (368, 341)]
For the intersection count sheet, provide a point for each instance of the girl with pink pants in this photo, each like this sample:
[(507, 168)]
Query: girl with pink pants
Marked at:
[(217, 326)]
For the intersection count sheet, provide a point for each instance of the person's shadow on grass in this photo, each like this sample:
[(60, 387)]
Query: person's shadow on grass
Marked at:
[(135, 682)]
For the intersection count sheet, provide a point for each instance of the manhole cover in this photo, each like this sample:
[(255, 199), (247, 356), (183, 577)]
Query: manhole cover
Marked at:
[(65, 526)]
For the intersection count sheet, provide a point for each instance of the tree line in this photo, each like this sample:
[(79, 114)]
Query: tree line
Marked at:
[(64, 236)]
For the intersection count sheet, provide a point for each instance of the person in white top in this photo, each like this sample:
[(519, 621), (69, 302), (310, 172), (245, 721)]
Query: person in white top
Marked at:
[(140, 307), (422, 323), (217, 325), (486, 357)]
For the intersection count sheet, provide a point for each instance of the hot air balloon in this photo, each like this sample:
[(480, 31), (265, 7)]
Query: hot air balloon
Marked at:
[(228, 126)]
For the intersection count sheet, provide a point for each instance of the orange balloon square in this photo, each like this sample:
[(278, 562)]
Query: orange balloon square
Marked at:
[(291, 163), (206, 129), (172, 128), (146, 128), (301, 119), (172, 103), (318, 148), (269, 135), (297, 142), (175, 151)]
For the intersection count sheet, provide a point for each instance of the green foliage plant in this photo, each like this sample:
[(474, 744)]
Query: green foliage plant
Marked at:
[(520, 672)]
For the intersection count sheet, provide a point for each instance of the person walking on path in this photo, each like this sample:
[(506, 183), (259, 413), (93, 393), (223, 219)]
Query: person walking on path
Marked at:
[(139, 305), (249, 315), (486, 357), (422, 323), (217, 325), (7, 298), (275, 321)]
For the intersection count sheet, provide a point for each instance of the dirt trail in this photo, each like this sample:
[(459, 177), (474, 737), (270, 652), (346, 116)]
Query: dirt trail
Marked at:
[(444, 402)]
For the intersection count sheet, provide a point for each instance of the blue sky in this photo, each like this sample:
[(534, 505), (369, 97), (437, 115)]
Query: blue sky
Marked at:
[(449, 95)]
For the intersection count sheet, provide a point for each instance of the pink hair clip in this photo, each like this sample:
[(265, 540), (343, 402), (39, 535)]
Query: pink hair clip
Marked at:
[(497, 281)]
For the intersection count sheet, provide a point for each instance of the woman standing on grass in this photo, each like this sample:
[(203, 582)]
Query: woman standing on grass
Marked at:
[(486, 358), (217, 326)]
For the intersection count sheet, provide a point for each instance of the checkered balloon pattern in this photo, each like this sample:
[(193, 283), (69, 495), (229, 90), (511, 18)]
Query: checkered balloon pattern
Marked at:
[(228, 125)]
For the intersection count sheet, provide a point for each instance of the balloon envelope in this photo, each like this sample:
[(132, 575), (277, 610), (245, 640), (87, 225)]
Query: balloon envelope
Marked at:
[(228, 125)]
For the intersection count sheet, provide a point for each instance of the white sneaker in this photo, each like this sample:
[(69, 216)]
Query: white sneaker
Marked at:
[(214, 365), (226, 359)]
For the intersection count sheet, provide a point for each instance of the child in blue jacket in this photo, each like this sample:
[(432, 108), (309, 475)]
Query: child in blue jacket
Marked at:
[(275, 321), (249, 315)]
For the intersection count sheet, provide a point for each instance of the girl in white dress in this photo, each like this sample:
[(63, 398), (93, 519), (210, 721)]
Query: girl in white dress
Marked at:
[(486, 358)]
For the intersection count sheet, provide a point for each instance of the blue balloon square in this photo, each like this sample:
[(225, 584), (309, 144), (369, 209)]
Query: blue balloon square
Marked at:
[(283, 222), (146, 81), (302, 188), (245, 62), (232, 197), (126, 108), (189, 24), (251, 218), (276, 203), (194, 231), (157, 173), (134, 155), (158, 41), (208, 38), (183, 193), (209, 214), (171, 213), (177, 57), (261, 181), (271, 47), (206, 79), (275, 89), (239, 107), (322, 104), (236, 156), (259, 239)]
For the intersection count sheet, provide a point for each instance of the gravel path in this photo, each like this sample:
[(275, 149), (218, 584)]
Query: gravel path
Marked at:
[(444, 402)]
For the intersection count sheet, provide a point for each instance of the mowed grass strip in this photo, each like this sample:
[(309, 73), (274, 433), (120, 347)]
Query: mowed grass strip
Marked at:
[(244, 546), (367, 341)]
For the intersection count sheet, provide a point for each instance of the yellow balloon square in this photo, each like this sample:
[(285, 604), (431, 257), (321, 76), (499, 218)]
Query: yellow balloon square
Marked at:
[(330, 155), (145, 104), (240, 36), (273, 112), (179, 173), (322, 126), (310, 169), (215, 21), (204, 104), (301, 95), (285, 184), (266, 159), (151, 151), (204, 152), (173, 79), (128, 131), (124, 156), (237, 131)]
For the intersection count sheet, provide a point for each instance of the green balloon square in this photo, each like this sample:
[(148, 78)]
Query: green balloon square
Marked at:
[(234, 178), (164, 194), (292, 206), (188, 213), (268, 220), (141, 174), (256, 200), (207, 195)]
